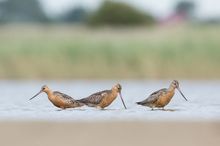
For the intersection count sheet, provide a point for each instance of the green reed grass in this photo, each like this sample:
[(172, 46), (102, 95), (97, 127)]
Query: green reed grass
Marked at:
[(64, 52)]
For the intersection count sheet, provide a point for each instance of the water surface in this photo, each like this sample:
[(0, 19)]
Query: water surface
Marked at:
[(203, 101)]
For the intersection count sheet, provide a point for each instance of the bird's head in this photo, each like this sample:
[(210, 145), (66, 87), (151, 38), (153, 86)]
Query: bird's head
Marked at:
[(44, 88), (175, 85), (118, 89)]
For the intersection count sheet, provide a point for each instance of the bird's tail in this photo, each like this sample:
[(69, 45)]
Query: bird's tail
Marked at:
[(139, 103), (82, 101), (79, 104)]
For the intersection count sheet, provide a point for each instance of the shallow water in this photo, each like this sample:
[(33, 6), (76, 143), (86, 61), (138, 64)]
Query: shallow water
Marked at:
[(203, 104)]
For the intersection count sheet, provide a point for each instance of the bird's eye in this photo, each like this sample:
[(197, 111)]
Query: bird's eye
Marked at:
[(43, 88)]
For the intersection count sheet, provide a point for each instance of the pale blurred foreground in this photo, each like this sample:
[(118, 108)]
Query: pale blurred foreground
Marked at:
[(110, 134)]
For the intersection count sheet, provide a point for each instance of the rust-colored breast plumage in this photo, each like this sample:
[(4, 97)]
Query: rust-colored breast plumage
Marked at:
[(108, 98), (164, 99)]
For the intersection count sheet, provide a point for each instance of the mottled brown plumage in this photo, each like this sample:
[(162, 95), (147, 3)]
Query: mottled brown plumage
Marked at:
[(162, 97), (104, 98), (59, 99)]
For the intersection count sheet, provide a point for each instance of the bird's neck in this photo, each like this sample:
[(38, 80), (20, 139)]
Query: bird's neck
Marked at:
[(49, 93), (171, 89), (114, 93)]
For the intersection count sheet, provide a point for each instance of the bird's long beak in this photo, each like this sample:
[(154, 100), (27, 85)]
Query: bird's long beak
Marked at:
[(36, 95), (122, 100), (181, 93)]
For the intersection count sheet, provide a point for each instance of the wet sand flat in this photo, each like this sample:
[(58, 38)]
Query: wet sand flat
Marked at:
[(110, 133)]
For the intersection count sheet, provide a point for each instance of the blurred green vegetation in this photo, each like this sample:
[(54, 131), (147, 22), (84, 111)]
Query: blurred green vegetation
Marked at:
[(63, 52), (116, 13)]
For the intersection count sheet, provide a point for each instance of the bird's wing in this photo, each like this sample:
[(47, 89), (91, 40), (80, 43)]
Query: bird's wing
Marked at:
[(154, 96), (95, 98), (159, 92), (63, 96)]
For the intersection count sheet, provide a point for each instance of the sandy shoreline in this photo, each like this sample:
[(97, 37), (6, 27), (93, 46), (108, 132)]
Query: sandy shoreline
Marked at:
[(110, 133)]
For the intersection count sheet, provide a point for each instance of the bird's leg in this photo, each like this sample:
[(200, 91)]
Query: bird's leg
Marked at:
[(152, 109), (163, 109)]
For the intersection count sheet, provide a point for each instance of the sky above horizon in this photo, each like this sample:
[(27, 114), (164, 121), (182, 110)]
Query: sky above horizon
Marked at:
[(160, 9)]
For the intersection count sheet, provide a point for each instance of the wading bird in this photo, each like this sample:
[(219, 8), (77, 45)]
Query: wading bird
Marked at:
[(104, 98), (162, 97), (59, 99)]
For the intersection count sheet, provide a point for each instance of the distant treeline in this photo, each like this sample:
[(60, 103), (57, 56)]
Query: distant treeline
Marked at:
[(109, 13)]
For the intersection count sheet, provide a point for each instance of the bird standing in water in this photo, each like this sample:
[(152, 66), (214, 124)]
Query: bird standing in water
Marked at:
[(59, 99), (161, 97), (104, 98)]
